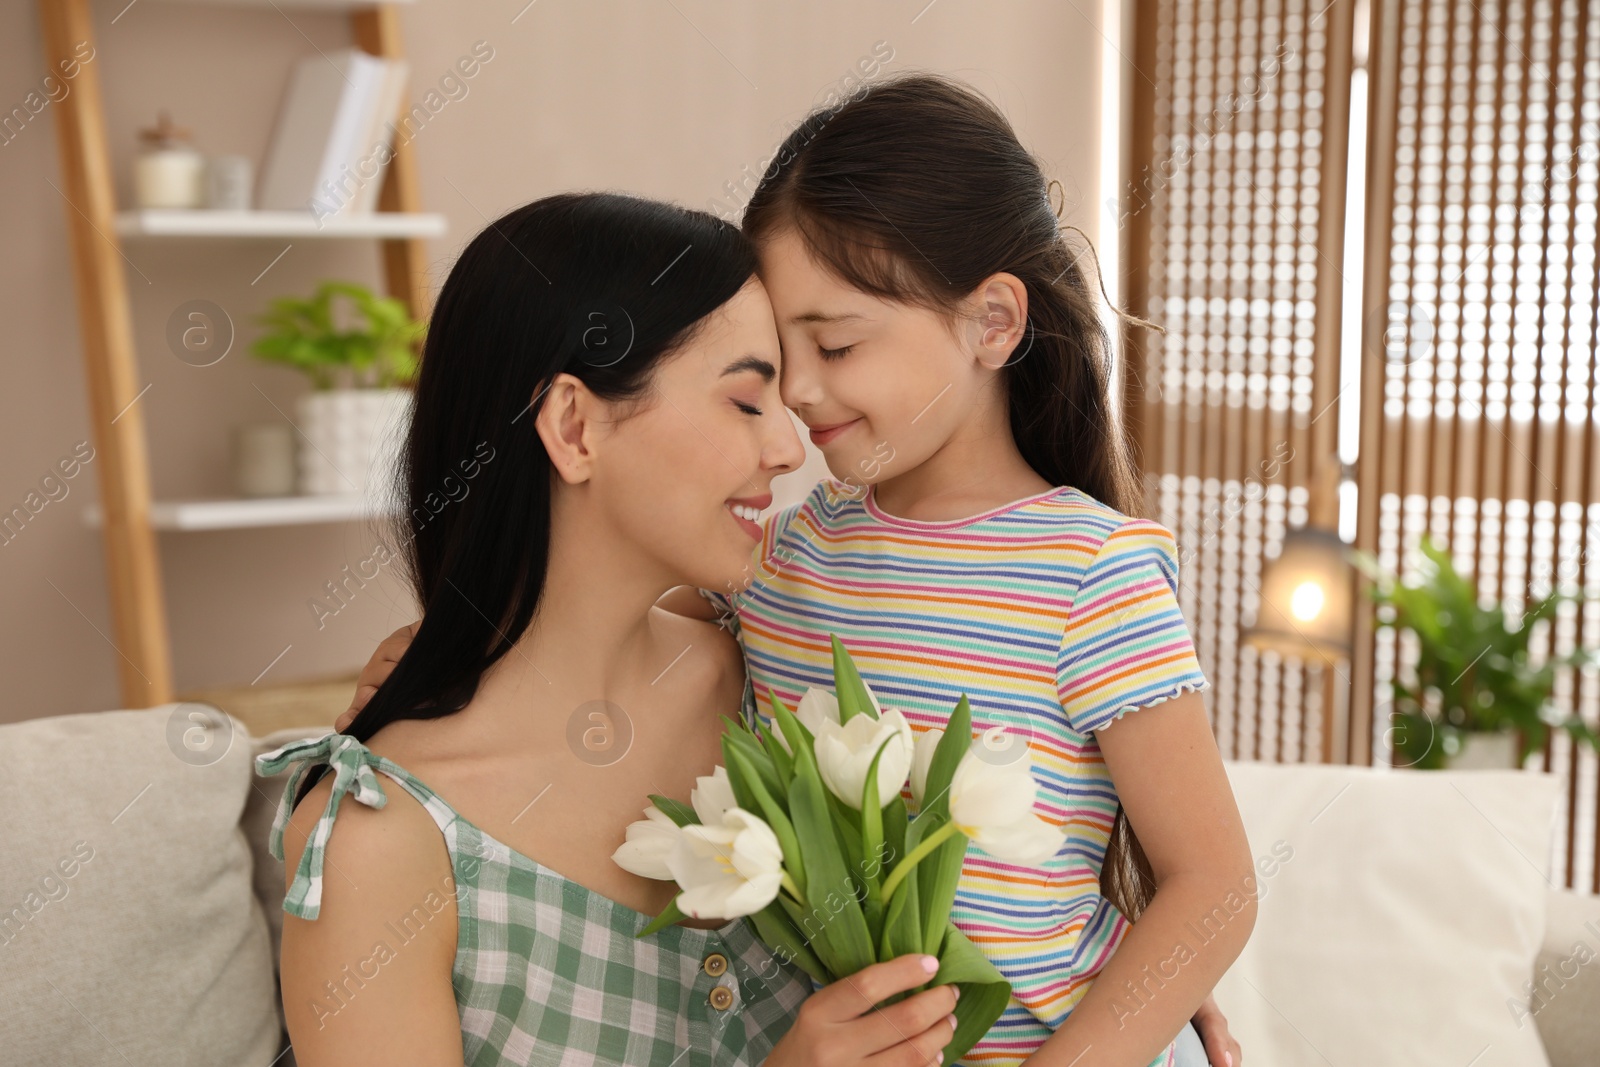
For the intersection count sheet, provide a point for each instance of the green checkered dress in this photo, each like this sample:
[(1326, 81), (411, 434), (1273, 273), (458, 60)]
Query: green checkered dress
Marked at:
[(548, 972)]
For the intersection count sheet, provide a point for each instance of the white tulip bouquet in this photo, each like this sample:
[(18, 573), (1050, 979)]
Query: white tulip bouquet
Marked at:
[(805, 831)]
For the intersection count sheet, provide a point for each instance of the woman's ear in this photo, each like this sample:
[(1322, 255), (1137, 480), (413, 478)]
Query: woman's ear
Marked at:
[(565, 424), (1002, 302)]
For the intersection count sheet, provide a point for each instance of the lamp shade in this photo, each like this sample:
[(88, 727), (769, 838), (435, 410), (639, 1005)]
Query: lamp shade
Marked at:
[(1305, 598)]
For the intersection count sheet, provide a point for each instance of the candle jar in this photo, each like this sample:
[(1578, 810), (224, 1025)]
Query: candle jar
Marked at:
[(169, 172), (228, 183), (264, 459)]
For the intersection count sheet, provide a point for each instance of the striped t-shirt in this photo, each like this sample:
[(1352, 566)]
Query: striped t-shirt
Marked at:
[(1054, 615)]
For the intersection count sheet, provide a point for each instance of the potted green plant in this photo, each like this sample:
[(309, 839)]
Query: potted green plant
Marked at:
[(360, 352), (1475, 690)]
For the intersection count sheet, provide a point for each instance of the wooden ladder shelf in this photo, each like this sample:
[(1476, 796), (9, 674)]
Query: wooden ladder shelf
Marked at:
[(139, 616)]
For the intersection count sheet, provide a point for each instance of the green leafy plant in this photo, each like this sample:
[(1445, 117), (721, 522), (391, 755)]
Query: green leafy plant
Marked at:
[(1474, 673), (376, 350)]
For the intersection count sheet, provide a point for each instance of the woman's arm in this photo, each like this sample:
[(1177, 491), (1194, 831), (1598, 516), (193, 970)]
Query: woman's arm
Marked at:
[(1222, 1048), (1169, 776), (368, 980)]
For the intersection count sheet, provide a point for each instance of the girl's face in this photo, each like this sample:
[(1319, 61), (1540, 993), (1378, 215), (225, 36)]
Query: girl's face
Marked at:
[(686, 478), (881, 385)]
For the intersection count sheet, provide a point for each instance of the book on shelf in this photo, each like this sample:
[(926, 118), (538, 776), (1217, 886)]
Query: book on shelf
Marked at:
[(334, 134)]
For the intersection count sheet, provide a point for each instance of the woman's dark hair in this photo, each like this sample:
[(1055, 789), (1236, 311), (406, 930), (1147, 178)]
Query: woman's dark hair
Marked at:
[(917, 189), (601, 286)]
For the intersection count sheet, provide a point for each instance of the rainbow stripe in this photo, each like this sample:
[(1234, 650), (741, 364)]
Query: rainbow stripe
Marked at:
[(1054, 615)]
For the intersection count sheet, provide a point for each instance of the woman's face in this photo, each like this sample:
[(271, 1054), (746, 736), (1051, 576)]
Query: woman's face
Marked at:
[(687, 477), (881, 385)]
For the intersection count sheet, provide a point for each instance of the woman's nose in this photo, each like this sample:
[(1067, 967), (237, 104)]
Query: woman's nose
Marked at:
[(784, 451)]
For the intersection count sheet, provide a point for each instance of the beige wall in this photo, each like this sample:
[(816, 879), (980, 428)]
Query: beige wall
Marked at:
[(664, 99)]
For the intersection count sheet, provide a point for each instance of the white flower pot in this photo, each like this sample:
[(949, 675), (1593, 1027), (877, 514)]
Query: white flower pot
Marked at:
[(350, 440), (1481, 751)]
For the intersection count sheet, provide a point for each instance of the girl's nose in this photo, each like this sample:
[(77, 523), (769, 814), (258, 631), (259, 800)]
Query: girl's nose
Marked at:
[(798, 386)]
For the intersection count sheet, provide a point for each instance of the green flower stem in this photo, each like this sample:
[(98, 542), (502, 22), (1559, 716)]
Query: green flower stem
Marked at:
[(925, 846), (794, 890)]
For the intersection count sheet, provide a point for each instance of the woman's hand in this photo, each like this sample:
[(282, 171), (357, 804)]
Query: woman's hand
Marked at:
[(1221, 1049), (840, 1026), (378, 668)]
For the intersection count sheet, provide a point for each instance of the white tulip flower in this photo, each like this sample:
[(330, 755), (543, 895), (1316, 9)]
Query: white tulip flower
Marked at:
[(844, 754), (921, 760), (712, 796), (727, 870), (816, 707), (649, 841), (993, 805)]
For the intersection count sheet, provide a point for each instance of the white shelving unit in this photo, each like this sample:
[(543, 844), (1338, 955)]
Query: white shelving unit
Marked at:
[(239, 514), (200, 222), (326, 5)]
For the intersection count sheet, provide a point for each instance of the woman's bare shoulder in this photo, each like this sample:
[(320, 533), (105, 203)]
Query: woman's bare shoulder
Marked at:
[(399, 842), (381, 867)]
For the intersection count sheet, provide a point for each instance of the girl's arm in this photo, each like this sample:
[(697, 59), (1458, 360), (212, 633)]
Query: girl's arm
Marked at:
[(1168, 773), (353, 990), (376, 671)]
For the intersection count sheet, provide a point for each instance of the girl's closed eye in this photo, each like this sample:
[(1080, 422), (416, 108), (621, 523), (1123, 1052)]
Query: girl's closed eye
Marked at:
[(834, 353)]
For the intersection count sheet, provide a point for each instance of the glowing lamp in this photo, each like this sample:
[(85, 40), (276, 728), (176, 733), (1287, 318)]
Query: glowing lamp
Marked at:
[(1305, 598)]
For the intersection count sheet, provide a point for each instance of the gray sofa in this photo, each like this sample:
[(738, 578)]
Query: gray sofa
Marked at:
[(139, 908)]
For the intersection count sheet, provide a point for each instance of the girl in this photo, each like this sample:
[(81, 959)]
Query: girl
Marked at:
[(562, 364), (941, 342)]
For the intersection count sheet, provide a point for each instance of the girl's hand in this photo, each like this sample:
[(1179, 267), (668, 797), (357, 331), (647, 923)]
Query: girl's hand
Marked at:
[(1221, 1049), (840, 1026), (378, 668)]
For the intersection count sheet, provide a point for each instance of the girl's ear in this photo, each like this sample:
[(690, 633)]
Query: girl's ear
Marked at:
[(565, 425), (1002, 302)]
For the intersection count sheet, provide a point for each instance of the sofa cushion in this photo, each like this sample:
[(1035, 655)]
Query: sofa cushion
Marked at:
[(1400, 915), (128, 929), (1566, 980)]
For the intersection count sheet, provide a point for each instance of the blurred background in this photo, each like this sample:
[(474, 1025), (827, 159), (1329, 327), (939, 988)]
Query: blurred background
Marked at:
[(681, 101)]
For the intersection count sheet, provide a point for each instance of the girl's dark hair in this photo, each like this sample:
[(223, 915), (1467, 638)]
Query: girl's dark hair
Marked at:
[(601, 286), (917, 189)]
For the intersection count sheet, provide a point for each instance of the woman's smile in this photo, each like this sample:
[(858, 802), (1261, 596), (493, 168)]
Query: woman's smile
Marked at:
[(746, 511)]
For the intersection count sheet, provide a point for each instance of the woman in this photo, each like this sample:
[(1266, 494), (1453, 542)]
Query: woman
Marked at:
[(600, 376)]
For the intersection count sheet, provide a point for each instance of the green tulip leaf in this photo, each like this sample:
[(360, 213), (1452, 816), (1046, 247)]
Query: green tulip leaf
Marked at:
[(847, 684), (984, 991), (669, 915), (947, 755), (676, 810), (739, 774), (830, 892), (794, 731), (778, 933)]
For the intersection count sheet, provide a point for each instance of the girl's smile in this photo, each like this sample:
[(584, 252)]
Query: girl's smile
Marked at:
[(821, 435)]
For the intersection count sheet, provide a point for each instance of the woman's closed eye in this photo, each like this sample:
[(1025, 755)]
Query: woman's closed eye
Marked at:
[(748, 409)]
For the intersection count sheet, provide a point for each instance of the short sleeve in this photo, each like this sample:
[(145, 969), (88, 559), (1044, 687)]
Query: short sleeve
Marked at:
[(718, 600), (1126, 644)]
